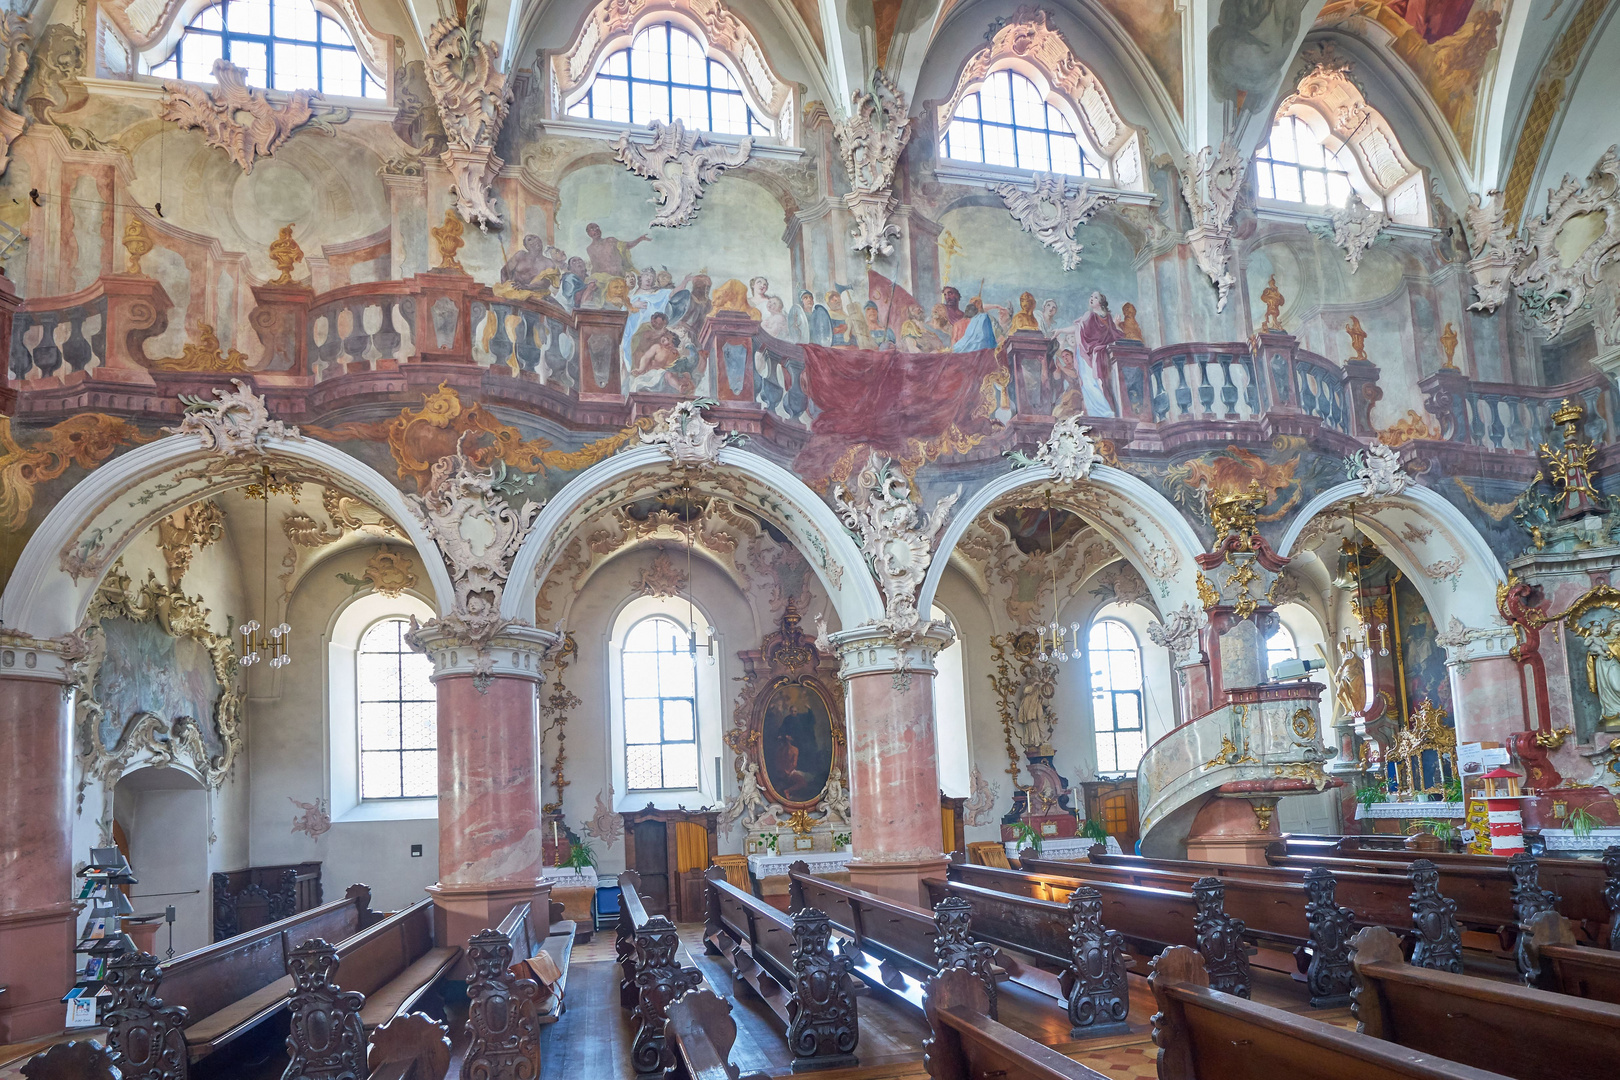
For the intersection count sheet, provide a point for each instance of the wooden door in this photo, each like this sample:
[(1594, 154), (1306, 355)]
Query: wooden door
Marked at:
[(651, 853), (1114, 803)]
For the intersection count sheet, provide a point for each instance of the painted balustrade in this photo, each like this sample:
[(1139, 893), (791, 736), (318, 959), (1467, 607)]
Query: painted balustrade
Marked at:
[(1514, 418)]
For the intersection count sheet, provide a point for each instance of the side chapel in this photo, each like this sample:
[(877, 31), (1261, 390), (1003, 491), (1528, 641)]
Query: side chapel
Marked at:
[(971, 537)]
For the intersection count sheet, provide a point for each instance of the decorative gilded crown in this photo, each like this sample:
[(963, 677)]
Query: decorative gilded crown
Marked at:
[(1568, 412), (1236, 510)]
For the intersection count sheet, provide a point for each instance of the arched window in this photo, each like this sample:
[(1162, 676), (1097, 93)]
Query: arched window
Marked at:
[(1280, 646), (282, 44), (399, 747), (666, 75), (1006, 121), (1116, 695), (1293, 166), (660, 707), (950, 711)]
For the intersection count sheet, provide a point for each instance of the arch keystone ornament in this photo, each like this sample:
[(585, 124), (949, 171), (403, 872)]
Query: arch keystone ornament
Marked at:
[(1069, 452), (1052, 210), (1379, 470), (690, 440), (235, 424)]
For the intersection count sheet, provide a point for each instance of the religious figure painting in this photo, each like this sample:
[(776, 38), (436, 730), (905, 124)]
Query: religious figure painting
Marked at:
[(147, 671), (796, 739)]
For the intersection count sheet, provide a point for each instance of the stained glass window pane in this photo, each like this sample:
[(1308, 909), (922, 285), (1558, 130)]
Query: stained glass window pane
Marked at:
[(419, 774), (1116, 698), (643, 766), (641, 720), (1293, 166), (666, 75), (379, 776), (679, 720), (198, 56), (379, 725)]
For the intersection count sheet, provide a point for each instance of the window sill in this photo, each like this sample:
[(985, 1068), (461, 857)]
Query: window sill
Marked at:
[(1301, 214), (663, 799), (391, 810), (974, 174), (767, 149)]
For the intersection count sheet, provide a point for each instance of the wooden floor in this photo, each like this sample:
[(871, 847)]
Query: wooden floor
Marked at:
[(592, 1040)]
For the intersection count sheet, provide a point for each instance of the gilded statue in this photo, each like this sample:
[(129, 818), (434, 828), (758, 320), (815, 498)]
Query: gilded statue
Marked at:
[(285, 253), (1129, 328), (1448, 344), (137, 242), (1571, 468), (1272, 297), (448, 239), (1349, 681), (1358, 338)]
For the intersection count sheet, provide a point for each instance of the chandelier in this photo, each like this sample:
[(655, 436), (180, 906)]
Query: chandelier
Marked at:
[(1058, 643), (259, 643), (693, 522)]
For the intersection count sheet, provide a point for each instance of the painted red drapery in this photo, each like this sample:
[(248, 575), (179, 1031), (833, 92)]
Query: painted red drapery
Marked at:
[(893, 403)]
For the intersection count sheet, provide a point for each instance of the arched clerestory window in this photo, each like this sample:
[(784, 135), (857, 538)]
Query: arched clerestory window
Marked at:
[(1007, 121), (665, 75), (281, 44), (1116, 696)]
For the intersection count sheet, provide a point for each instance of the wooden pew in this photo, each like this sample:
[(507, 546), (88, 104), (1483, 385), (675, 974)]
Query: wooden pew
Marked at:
[(698, 1035), (82, 1059), (646, 947), (166, 1017), (786, 959), (249, 898), (1377, 899), (1205, 1035), (901, 945), (343, 992), (1302, 917), (1519, 1032), (966, 1044), (410, 1047), (1562, 966), (503, 1024), (1151, 917)]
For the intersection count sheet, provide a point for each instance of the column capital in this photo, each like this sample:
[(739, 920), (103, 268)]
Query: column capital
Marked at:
[(873, 649), (54, 660), (506, 649), (1470, 644)]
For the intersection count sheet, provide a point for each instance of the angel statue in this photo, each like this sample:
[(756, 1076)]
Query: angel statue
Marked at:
[(748, 805), (835, 800)]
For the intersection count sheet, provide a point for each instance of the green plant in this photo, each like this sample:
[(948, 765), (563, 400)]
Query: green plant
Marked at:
[(771, 841), (1369, 794), (580, 855), (1454, 790), (1581, 823), (840, 839), (1026, 837), (1092, 829), (1443, 831)]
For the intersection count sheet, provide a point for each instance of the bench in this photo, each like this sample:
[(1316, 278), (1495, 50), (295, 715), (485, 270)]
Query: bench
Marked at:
[(503, 1023), (165, 1017), (1303, 918), (1206, 1035), (81, 1059), (1155, 918), (698, 1034), (341, 993), (901, 945), (646, 948), (410, 1047), (1519, 1032), (249, 898), (967, 1044), (788, 962), (1377, 899), (1561, 965)]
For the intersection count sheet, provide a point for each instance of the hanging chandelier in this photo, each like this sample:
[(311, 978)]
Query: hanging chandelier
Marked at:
[(259, 643), (1363, 641), (692, 524), (1058, 643)]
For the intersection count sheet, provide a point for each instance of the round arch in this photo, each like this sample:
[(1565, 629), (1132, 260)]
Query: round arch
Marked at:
[(50, 590), (1472, 597), (1165, 559), (777, 495)]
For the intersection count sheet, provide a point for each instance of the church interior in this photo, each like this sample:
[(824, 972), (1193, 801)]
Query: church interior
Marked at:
[(713, 539)]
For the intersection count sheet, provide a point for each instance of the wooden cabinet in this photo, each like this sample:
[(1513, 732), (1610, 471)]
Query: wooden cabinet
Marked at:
[(670, 849), (1113, 802)]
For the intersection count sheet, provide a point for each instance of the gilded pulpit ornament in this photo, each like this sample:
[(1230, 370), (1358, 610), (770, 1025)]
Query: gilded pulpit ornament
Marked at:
[(1236, 512), (448, 239), (1358, 338), (1570, 466), (285, 253), (1272, 297), (137, 242), (1448, 343)]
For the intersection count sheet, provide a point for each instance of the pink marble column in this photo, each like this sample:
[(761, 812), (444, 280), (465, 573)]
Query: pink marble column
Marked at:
[(1488, 696), (490, 839), (36, 837), (894, 768)]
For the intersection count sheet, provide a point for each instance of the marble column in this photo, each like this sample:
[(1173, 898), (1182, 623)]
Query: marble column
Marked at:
[(490, 837), (37, 914), (1487, 689), (893, 763)]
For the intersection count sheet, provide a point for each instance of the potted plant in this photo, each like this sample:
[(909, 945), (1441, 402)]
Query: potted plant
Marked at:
[(840, 841), (771, 842), (1092, 829), (1026, 837), (580, 855), (1580, 823)]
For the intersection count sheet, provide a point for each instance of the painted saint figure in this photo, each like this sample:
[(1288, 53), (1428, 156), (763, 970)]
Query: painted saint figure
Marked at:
[(1093, 334)]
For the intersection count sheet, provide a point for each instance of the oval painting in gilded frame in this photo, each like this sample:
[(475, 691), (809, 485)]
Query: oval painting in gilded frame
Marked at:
[(796, 743)]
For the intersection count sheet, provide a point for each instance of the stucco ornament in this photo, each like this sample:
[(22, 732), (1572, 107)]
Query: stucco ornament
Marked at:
[(1211, 181), (1379, 469), (464, 76), (1069, 451), (870, 140), (1355, 227), (981, 805), (896, 536), (14, 43), (1179, 632), (235, 424), (1052, 211), (235, 117), (1555, 274), (479, 535), (679, 163), (692, 441)]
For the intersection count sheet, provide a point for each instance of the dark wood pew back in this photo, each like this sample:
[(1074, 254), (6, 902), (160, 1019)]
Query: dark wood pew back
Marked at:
[(502, 1008), (1519, 1032), (410, 1047), (698, 1036), (648, 948), (1559, 964), (966, 1044), (1206, 1035), (249, 898)]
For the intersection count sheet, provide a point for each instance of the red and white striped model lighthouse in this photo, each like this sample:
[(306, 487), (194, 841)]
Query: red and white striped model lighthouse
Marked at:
[(1502, 801)]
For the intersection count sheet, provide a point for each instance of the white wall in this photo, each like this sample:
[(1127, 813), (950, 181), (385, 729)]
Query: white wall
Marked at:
[(164, 812)]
